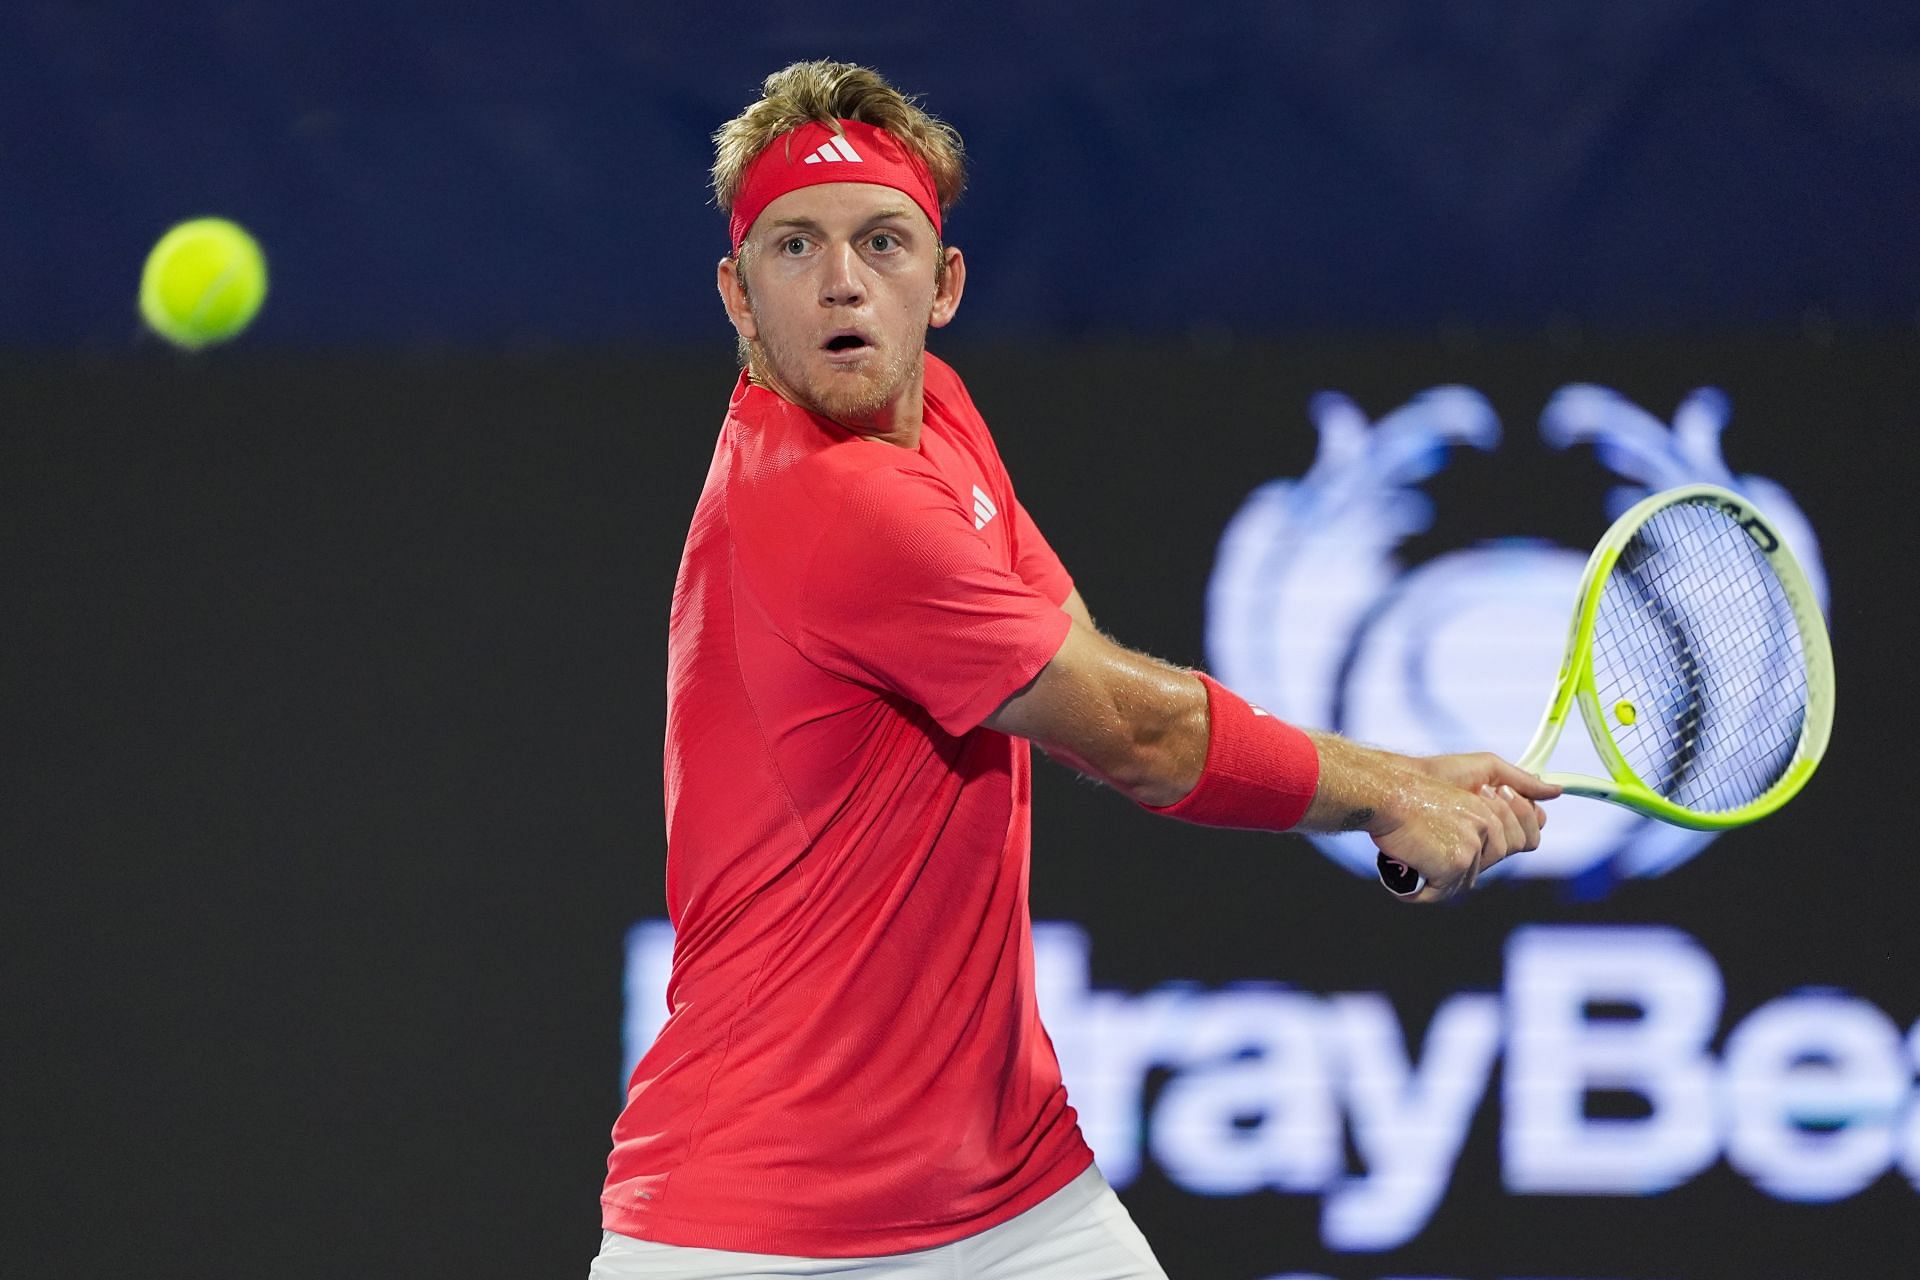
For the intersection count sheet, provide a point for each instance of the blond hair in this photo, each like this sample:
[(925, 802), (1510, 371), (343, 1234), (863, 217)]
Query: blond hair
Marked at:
[(826, 93)]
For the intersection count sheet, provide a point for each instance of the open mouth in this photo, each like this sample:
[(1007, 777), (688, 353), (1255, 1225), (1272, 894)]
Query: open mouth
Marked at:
[(846, 342)]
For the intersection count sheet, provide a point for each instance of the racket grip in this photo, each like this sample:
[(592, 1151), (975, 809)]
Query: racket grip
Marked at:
[(1401, 880)]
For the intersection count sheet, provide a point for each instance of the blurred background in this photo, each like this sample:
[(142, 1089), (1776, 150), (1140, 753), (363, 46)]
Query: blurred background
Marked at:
[(1321, 339)]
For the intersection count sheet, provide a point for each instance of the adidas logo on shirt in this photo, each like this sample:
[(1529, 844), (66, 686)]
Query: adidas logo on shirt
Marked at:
[(834, 152), (983, 508)]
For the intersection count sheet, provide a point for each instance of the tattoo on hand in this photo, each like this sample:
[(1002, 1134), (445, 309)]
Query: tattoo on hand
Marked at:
[(1357, 819)]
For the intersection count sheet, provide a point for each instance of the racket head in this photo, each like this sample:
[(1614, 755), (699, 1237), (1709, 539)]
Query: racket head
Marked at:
[(1699, 661)]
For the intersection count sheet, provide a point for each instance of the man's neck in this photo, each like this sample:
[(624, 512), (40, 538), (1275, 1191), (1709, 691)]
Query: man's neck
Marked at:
[(897, 422)]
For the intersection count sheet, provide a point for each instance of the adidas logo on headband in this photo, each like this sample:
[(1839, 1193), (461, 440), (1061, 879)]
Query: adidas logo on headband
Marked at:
[(814, 154), (834, 151)]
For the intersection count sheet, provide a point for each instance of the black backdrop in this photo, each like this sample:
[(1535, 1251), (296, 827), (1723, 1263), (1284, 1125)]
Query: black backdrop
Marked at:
[(335, 689)]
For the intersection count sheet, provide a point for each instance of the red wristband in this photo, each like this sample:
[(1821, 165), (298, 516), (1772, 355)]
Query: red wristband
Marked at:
[(1260, 773)]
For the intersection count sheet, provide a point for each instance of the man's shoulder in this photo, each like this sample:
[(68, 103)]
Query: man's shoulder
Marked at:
[(785, 498), (793, 474), (938, 368), (943, 382), (948, 398)]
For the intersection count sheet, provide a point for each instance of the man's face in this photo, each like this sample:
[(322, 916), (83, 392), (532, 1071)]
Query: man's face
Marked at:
[(839, 288)]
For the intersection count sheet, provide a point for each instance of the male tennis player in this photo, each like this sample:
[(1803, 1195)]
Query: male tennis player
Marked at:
[(867, 631)]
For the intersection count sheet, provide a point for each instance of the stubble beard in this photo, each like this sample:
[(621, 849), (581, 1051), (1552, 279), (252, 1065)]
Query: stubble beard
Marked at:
[(847, 396)]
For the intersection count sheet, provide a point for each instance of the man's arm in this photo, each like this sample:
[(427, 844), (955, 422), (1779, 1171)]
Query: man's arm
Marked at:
[(1143, 727), (1076, 608)]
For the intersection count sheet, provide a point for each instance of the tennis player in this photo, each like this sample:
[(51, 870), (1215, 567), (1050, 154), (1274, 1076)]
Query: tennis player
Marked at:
[(867, 632)]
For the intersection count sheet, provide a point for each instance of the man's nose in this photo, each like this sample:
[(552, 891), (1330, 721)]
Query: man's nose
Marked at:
[(841, 285)]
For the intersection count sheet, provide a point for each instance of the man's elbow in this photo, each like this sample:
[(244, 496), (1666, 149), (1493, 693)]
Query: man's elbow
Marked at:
[(1164, 756)]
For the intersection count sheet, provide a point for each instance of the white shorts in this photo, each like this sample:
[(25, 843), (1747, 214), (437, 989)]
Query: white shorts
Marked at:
[(1080, 1232)]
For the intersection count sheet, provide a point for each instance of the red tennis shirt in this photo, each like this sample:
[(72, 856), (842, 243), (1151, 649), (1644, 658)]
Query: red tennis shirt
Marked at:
[(852, 1061)]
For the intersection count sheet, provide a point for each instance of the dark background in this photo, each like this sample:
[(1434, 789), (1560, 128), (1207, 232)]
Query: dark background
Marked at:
[(335, 656), (536, 173), (339, 704)]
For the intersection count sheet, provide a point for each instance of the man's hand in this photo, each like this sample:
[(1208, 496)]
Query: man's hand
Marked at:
[(1455, 816)]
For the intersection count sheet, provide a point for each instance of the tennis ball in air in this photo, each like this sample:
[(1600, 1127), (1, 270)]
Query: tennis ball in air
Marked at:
[(203, 283)]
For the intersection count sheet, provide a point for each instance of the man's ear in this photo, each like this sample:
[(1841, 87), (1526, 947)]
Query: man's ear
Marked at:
[(733, 296), (946, 295)]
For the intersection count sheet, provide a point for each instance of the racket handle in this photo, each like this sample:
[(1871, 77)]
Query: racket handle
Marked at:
[(1400, 879)]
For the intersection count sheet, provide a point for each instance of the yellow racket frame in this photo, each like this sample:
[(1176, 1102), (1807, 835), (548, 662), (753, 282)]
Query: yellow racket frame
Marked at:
[(1576, 682)]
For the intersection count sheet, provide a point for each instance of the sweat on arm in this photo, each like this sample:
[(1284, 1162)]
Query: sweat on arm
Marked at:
[(1180, 744), (1173, 741)]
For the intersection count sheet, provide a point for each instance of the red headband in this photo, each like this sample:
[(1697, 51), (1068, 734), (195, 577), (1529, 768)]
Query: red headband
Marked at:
[(813, 154)]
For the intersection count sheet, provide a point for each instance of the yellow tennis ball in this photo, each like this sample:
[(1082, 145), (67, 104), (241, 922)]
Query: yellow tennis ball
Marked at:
[(203, 283)]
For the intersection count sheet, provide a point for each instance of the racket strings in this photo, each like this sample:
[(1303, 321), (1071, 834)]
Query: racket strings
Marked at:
[(1698, 664)]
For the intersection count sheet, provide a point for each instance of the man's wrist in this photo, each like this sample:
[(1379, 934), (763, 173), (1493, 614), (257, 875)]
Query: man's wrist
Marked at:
[(1261, 773), (1361, 788)]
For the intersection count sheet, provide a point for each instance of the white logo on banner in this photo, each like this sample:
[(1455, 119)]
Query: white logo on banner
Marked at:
[(1310, 612), (1810, 1097)]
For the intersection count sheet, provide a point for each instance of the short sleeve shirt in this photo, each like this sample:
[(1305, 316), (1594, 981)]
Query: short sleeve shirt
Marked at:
[(853, 1061)]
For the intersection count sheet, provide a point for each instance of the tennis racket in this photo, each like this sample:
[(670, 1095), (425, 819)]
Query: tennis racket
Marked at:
[(1700, 663)]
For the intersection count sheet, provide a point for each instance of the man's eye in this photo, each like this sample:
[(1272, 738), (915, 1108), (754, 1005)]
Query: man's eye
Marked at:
[(793, 245), (883, 242)]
